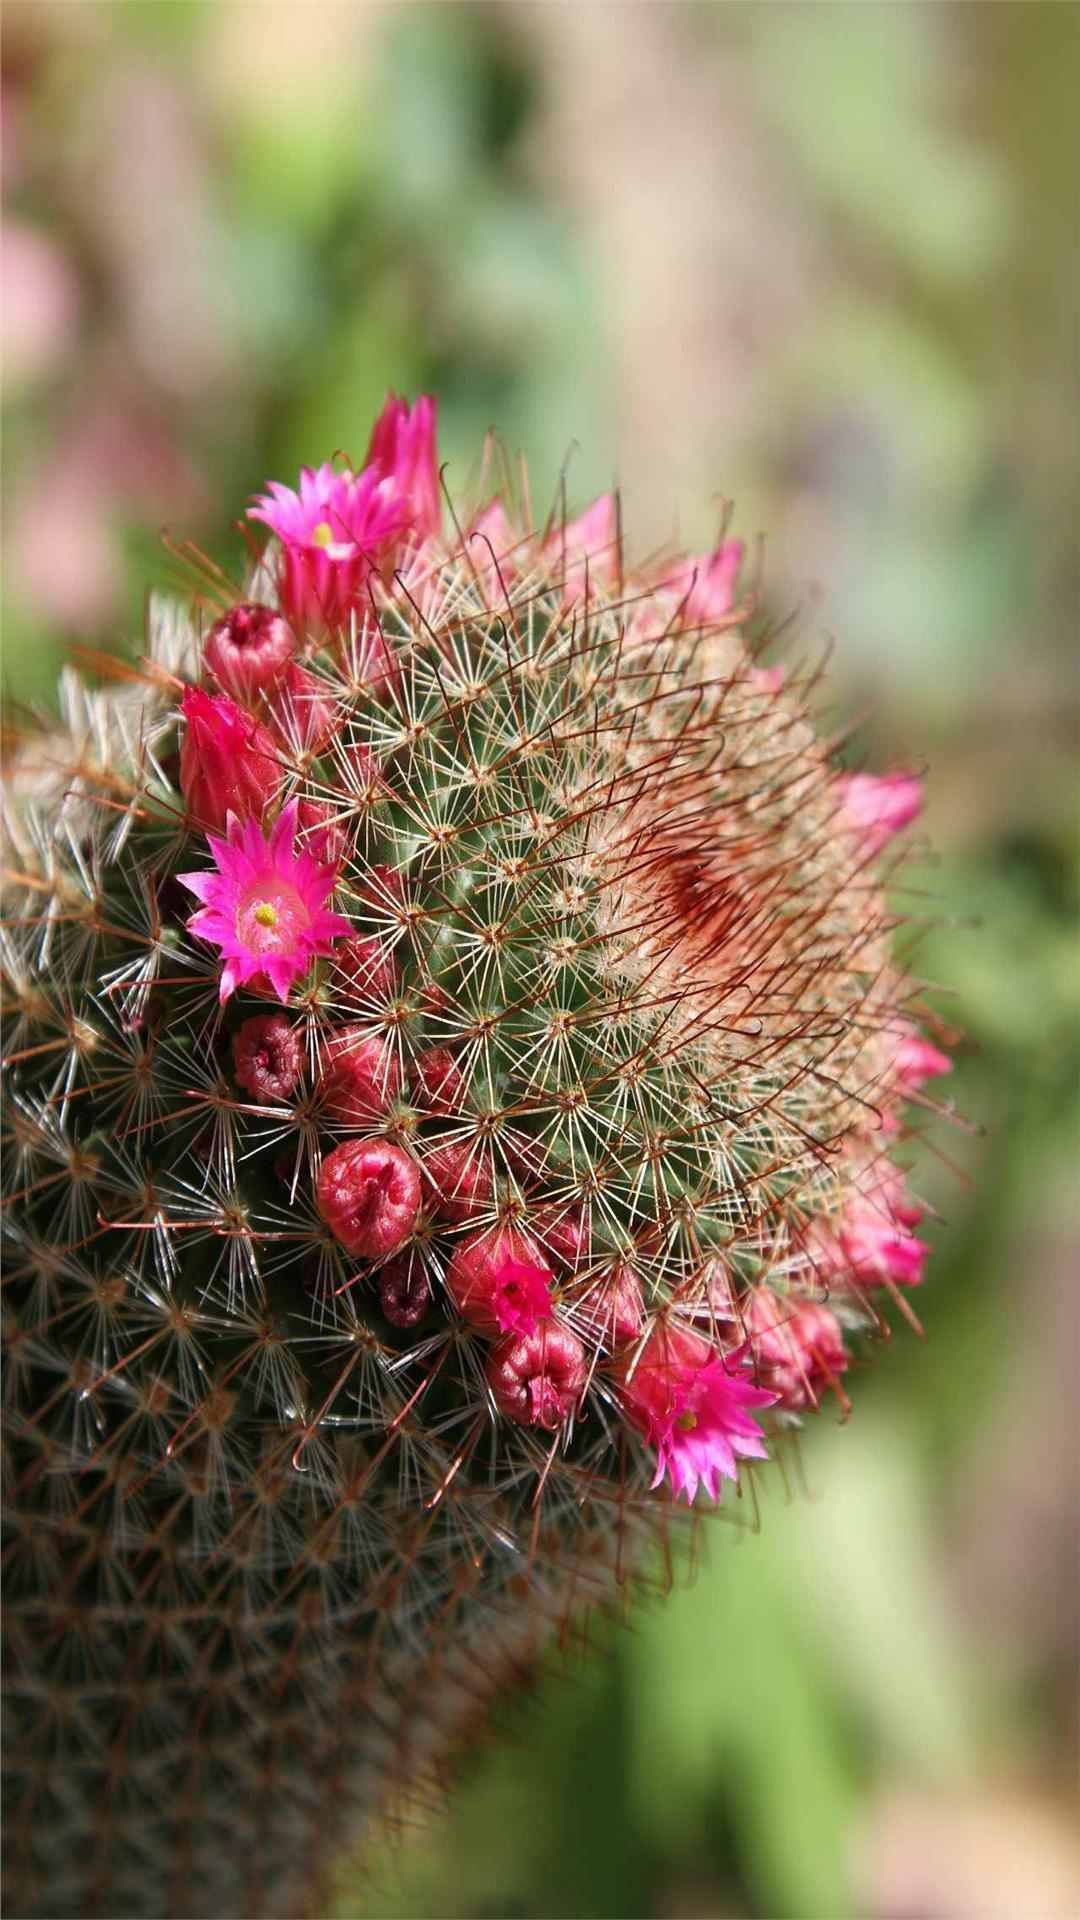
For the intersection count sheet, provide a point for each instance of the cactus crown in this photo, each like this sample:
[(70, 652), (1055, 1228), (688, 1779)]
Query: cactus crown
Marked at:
[(453, 1057)]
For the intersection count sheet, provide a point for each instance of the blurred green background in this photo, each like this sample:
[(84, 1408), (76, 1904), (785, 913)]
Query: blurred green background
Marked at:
[(822, 260)]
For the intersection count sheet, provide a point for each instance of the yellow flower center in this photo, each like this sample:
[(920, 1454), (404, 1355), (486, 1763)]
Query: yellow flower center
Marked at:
[(265, 914), (322, 535), (687, 1421)]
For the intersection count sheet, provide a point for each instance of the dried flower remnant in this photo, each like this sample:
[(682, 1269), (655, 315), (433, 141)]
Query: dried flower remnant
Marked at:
[(570, 1176), (268, 1057)]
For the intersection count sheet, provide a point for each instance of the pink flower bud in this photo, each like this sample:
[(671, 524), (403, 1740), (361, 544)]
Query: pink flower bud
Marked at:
[(268, 1058), (303, 712), (538, 1378), (612, 1309), (915, 1060), (498, 1284), (322, 831), (366, 970), (688, 1402), (361, 1076), (587, 548), (402, 447), (368, 1193), (227, 762), (437, 1082), (248, 650), (457, 1178), (872, 1242), (879, 806), (708, 583), (404, 1289), (799, 1347), (562, 1230)]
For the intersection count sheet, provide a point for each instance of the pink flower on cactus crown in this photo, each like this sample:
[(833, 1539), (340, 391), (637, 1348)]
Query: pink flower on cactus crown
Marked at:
[(333, 530), (879, 806), (708, 583), (403, 449), (916, 1060), (497, 1283), (688, 1402), (587, 546), (265, 905)]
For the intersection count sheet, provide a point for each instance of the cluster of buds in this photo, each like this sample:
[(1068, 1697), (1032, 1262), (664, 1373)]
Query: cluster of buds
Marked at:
[(479, 1094)]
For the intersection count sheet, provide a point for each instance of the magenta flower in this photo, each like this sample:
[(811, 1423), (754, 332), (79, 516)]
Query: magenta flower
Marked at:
[(497, 1283), (333, 531), (799, 1347), (265, 906), (402, 447), (709, 582), (917, 1060), (873, 1243), (879, 805), (587, 545), (687, 1400)]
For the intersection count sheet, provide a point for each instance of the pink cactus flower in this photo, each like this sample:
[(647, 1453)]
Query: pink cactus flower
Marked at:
[(538, 1378), (248, 651), (361, 1076), (403, 449), (368, 1193), (767, 679), (708, 583), (587, 547), (268, 1058), (228, 762), (334, 530), (498, 1283), (458, 1180), (265, 906), (916, 1060), (880, 805), (688, 1401), (873, 1243), (799, 1347)]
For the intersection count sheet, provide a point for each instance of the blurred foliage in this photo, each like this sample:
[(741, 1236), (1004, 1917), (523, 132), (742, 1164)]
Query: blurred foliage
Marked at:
[(228, 231)]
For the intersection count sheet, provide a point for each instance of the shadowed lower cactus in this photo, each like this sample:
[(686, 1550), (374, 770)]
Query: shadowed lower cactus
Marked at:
[(454, 1058)]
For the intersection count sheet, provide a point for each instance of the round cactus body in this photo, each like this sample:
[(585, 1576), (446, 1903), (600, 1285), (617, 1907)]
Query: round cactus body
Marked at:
[(453, 1056)]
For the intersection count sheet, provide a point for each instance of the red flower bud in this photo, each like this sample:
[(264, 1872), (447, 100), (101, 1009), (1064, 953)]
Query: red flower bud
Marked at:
[(438, 1082), (247, 651), (537, 1378), (612, 1308), (458, 1177), (798, 1345), (322, 831), (498, 1283), (303, 712), (365, 970), (361, 1076), (227, 762), (562, 1231), (268, 1058), (368, 1193)]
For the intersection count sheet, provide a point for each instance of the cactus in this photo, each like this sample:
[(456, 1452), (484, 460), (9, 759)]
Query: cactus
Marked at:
[(454, 1063)]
